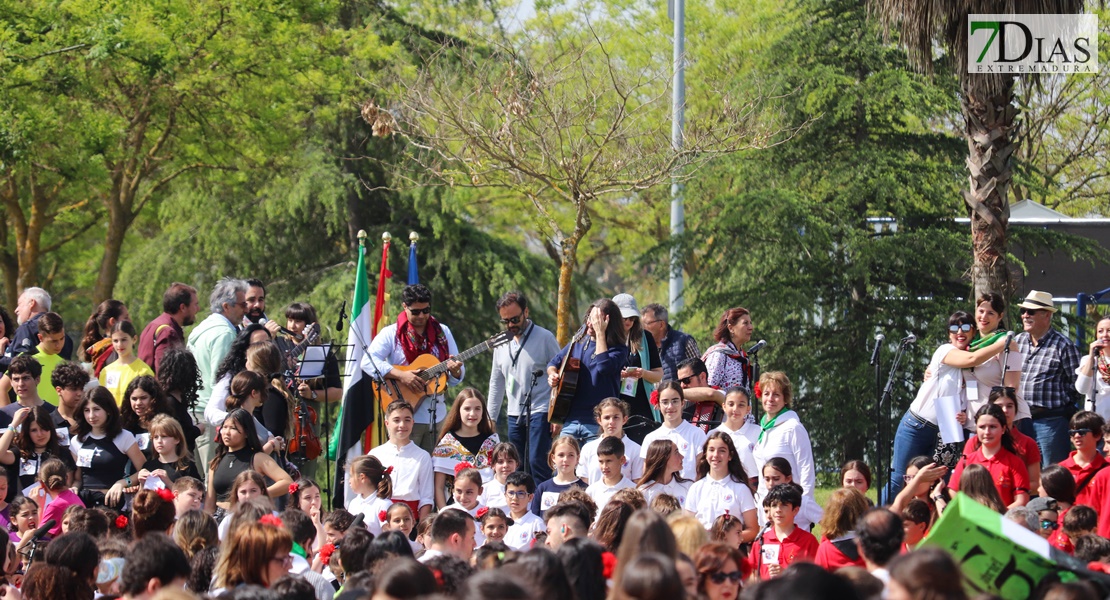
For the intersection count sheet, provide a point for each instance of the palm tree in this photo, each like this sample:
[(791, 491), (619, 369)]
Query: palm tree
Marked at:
[(987, 103)]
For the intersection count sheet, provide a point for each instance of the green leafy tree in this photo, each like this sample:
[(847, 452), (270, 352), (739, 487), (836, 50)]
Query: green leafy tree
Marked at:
[(107, 105), (842, 232)]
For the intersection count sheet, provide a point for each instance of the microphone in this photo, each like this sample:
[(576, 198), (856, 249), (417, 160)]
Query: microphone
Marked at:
[(357, 522), (910, 339), (879, 339), (342, 315), (1009, 338), (264, 320), (757, 347), (44, 529), (537, 373)]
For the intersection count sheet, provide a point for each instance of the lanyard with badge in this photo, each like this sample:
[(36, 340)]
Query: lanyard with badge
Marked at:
[(513, 385)]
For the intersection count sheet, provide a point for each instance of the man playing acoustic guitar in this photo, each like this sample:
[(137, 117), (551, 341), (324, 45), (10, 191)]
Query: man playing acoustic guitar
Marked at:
[(396, 346)]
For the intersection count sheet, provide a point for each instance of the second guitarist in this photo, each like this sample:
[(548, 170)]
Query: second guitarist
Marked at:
[(602, 355), (416, 332)]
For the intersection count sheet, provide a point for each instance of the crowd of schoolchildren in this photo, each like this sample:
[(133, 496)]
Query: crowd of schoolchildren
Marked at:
[(103, 497)]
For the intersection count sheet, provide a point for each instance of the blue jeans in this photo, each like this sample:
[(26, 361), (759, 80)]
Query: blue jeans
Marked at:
[(539, 442), (914, 437), (1052, 438), (583, 432)]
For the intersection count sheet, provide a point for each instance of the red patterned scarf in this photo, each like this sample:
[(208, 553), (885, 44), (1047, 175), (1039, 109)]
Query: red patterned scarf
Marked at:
[(432, 341)]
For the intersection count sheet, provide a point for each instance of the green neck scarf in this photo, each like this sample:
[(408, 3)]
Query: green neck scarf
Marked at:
[(767, 424), (983, 342), (299, 550)]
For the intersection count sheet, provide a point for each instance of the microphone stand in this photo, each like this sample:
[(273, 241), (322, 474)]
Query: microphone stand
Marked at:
[(889, 390), (753, 403), (528, 420), (877, 363)]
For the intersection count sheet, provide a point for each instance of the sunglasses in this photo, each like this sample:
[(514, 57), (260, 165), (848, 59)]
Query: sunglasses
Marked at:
[(686, 380), (1079, 432), (1031, 311), (719, 577), (965, 327), (420, 311), (512, 320), (1049, 524)]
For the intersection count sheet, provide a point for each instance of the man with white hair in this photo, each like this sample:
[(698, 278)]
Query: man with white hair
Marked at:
[(210, 342), (33, 303)]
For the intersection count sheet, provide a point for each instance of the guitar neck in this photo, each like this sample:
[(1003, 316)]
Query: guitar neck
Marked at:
[(463, 356)]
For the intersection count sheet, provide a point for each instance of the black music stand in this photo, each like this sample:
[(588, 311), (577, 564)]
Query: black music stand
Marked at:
[(313, 365)]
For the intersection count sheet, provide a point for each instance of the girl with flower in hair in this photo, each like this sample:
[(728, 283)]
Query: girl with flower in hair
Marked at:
[(373, 488), (152, 512), (466, 490)]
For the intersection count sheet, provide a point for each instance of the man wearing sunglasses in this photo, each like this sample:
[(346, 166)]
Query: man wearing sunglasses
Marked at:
[(531, 348), (415, 333), (1048, 376)]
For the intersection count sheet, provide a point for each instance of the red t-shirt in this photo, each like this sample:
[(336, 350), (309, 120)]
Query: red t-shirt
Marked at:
[(1083, 473), (1008, 472), (831, 557), (1099, 499), (1027, 448), (1058, 539), (800, 545)]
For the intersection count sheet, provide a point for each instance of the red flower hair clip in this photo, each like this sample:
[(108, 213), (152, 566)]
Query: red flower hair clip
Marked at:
[(271, 520), (439, 577), (293, 487), (165, 494), (325, 553), (654, 398), (758, 393), (463, 465), (482, 512), (121, 522), (608, 564), (383, 516)]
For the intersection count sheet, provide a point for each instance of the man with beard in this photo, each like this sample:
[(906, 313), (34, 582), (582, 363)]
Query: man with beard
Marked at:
[(531, 348), (256, 308), (180, 305), (416, 332)]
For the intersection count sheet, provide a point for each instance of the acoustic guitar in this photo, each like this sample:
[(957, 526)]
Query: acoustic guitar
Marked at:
[(562, 396), (433, 372)]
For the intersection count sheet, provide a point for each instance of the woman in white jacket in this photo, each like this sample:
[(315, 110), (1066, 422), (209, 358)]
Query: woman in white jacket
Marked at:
[(1099, 356), (782, 434)]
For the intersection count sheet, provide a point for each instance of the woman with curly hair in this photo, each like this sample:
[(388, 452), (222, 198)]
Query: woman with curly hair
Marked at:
[(142, 401), (179, 377)]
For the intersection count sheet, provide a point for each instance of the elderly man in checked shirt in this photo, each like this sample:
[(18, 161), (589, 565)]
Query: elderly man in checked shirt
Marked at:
[(1048, 376)]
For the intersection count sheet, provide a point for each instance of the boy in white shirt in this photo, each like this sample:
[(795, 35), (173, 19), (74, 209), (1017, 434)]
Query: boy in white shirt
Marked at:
[(519, 487), (610, 459), (686, 436), (413, 478), (611, 414)]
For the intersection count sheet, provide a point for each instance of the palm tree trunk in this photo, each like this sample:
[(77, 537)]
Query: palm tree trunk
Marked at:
[(990, 142)]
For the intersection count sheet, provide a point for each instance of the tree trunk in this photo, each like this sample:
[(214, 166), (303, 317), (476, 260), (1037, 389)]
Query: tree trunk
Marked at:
[(990, 143), (118, 221), (568, 259)]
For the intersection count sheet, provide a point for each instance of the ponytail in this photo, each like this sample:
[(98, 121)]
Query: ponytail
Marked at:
[(378, 475)]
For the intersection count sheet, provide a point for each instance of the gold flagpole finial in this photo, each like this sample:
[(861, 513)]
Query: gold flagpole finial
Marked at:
[(413, 236), (361, 237), (386, 237)]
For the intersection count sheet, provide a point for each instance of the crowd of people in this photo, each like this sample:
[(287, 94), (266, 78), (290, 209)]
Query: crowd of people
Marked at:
[(144, 462)]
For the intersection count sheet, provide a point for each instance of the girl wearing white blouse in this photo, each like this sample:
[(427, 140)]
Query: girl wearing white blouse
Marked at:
[(1086, 377)]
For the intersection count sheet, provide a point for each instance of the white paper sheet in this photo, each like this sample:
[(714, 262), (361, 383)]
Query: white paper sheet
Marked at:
[(950, 429)]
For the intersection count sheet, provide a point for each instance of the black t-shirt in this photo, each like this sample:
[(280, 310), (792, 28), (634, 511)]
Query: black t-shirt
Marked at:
[(173, 471), (472, 444), (274, 412)]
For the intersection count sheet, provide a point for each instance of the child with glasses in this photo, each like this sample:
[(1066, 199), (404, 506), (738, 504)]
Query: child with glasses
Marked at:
[(1085, 432), (519, 488)]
